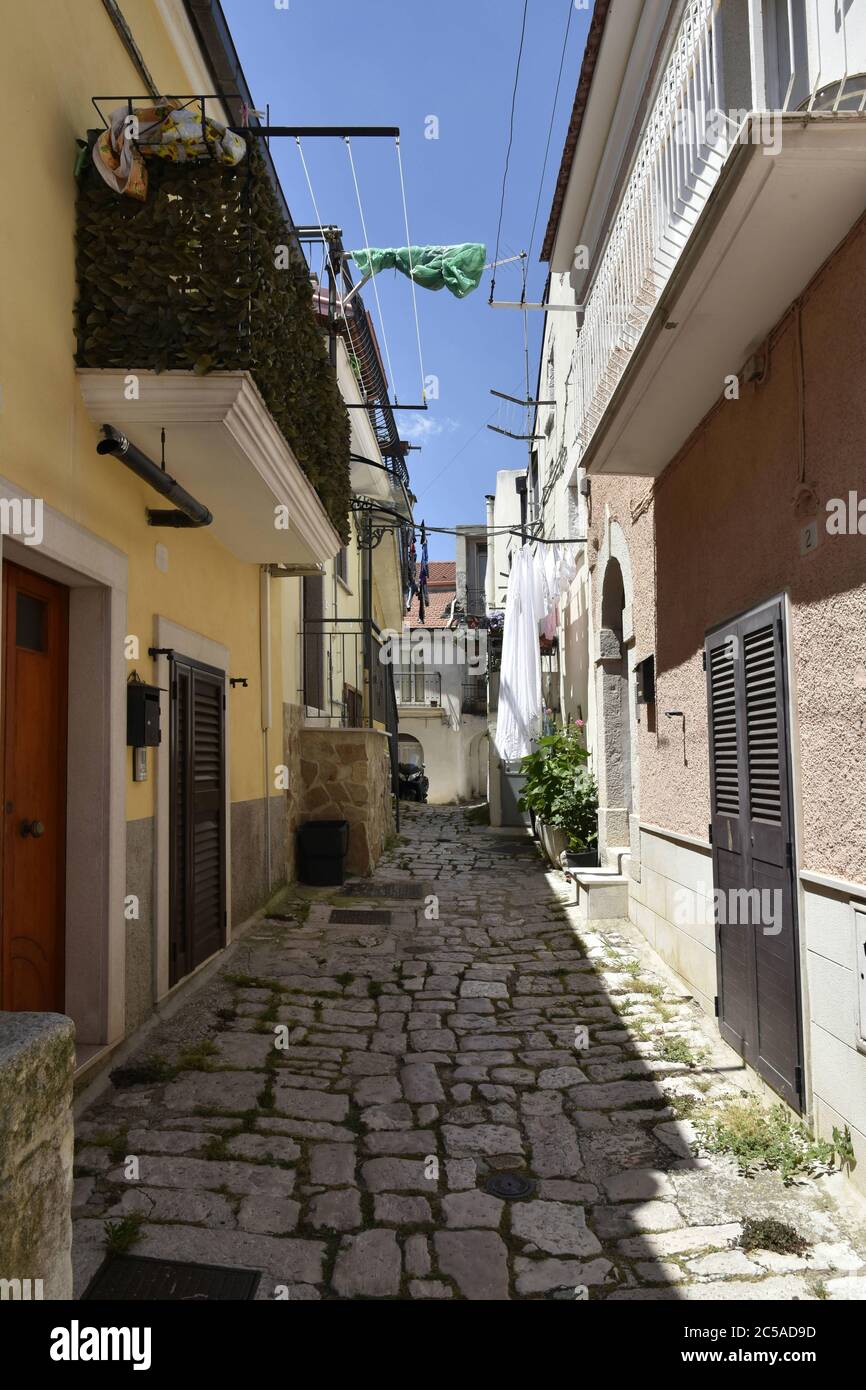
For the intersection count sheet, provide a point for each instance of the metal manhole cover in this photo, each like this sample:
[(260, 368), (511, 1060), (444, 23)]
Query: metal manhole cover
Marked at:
[(135, 1278), (508, 1185), (359, 917), (369, 888)]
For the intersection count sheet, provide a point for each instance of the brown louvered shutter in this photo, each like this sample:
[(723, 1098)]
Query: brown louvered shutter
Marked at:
[(728, 833), (198, 909), (758, 962), (314, 628)]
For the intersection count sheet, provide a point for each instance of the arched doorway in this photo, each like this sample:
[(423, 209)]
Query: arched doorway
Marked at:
[(409, 750), (615, 773)]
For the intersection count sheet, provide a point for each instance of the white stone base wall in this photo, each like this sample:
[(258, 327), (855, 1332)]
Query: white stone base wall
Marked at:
[(836, 1052), (672, 906)]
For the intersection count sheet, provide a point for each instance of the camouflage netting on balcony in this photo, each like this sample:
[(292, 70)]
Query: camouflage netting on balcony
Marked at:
[(194, 278)]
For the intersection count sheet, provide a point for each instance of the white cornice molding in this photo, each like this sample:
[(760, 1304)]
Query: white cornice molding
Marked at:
[(231, 399)]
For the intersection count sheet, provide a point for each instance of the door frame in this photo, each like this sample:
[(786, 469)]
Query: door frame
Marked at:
[(96, 574), (195, 647), (780, 601)]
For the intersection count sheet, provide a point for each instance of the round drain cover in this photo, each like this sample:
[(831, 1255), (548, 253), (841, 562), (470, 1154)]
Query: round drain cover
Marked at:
[(508, 1185)]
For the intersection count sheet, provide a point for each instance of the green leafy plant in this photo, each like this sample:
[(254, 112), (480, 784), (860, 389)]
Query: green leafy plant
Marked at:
[(122, 1234), (760, 1137), (560, 789), (766, 1233)]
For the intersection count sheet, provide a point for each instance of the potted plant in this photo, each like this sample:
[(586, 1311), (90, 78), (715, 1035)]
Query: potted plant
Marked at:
[(562, 794)]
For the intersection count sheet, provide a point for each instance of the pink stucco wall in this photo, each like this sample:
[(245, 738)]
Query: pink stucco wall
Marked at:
[(727, 537)]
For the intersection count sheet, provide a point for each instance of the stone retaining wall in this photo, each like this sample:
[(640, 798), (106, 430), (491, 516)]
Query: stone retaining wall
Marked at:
[(346, 775), (37, 1056)]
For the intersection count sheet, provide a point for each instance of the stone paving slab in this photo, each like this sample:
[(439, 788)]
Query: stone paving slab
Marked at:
[(331, 1107)]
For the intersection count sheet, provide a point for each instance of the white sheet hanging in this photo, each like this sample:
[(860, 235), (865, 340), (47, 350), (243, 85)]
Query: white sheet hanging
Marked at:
[(519, 716)]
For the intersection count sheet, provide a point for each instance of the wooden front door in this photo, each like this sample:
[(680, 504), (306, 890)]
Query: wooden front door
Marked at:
[(198, 815), (752, 835), (33, 896)]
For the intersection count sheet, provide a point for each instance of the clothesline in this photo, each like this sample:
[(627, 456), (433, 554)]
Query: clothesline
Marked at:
[(495, 531)]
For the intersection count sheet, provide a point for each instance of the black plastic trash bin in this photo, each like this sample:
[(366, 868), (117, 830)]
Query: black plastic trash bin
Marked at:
[(322, 849)]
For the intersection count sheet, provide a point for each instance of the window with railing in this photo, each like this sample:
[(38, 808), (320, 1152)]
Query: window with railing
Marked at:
[(415, 686), (474, 696)]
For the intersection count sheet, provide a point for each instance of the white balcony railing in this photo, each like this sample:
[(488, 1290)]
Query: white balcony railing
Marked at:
[(818, 56)]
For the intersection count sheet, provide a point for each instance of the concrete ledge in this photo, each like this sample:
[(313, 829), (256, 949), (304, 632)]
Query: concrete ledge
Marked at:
[(37, 1057)]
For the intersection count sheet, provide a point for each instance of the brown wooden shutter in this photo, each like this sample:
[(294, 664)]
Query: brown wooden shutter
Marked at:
[(198, 816), (758, 969), (314, 665), (777, 975), (733, 950)]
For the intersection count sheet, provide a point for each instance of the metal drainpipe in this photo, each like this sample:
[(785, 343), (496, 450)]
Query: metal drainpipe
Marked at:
[(490, 574), (265, 678)]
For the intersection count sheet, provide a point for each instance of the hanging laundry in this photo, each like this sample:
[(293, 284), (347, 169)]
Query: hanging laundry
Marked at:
[(549, 563), (411, 572), (520, 706), (567, 568), (423, 577), (165, 131)]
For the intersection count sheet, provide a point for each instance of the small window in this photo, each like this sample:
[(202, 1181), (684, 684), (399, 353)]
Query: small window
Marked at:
[(341, 564), (29, 622)]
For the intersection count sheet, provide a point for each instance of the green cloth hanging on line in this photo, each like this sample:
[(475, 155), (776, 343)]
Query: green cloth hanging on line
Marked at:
[(455, 268)]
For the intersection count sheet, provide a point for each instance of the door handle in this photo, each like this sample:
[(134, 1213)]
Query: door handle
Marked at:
[(32, 827)]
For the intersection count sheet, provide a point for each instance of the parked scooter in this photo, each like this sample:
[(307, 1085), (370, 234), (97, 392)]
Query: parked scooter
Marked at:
[(413, 784)]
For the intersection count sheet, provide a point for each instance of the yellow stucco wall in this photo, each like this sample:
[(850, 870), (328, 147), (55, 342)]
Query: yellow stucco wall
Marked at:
[(55, 57)]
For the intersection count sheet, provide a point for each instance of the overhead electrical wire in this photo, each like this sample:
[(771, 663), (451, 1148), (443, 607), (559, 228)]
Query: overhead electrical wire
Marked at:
[(369, 259), (462, 449), (508, 150), (411, 272), (549, 133), (325, 242)]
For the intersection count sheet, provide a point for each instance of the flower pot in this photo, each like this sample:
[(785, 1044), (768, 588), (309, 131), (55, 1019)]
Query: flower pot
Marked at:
[(554, 842), (579, 859)]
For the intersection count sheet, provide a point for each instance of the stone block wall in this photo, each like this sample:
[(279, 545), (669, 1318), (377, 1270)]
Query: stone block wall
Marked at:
[(346, 775), (37, 1057)]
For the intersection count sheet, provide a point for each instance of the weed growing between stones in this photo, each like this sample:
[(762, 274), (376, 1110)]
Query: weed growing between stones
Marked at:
[(148, 1072), (677, 1049), (122, 1234), (766, 1233), (764, 1138)]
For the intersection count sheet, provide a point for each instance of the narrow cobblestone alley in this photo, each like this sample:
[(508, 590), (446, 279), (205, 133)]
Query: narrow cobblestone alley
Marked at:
[(424, 1054)]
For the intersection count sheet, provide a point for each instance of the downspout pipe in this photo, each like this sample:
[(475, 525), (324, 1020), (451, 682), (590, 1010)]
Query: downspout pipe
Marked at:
[(490, 573), (189, 512)]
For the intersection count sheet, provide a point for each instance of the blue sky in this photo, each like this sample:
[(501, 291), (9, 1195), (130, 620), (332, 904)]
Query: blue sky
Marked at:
[(398, 62)]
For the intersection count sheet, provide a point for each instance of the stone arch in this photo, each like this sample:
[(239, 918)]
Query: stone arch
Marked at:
[(478, 764), (616, 755), (409, 749)]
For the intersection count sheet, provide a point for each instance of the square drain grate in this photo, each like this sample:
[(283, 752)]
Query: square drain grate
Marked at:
[(359, 917), (408, 891), (135, 1278)]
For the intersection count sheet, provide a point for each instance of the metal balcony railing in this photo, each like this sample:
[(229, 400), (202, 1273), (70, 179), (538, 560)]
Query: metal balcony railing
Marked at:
[(415, 686), (687, 138), (344, 682), (474, 697)]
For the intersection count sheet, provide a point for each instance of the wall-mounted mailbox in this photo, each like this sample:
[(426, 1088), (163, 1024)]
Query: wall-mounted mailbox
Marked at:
[(142, 715), (645, 673)]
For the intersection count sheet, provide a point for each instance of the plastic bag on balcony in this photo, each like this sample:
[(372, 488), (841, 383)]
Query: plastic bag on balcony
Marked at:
[(166, 131), (455, 268)]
